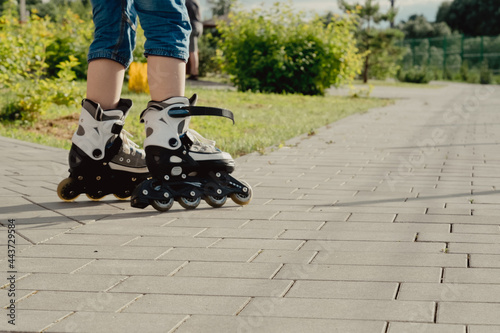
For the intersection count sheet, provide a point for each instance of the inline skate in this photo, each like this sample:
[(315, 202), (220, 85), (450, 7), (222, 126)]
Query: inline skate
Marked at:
[(103, 160), (185, 166)]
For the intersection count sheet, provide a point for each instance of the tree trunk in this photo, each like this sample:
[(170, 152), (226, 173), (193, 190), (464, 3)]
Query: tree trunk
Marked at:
[(365, 72)]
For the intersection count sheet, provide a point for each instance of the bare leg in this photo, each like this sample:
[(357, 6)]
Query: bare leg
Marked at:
[(166, 77), (104, 82), (194, 62)]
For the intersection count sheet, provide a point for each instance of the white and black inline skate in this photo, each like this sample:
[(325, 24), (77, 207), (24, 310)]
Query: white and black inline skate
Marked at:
[(185, 167), (103, 160)]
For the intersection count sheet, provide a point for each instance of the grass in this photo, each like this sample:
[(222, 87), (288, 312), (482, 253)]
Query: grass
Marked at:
[(398, 84), (262, 120)]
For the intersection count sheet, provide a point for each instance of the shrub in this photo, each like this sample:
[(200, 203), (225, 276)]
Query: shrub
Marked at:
[(276, 51), (23, 69), (485, 76), (138, 77), (415, 75)]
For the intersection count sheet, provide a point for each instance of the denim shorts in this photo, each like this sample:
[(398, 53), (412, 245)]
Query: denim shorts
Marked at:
[(165, 23)]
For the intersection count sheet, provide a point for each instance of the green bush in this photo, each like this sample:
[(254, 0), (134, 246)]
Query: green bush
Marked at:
[(415, 75), (24, 69), (207, 48), (277, 51), (485, 76)]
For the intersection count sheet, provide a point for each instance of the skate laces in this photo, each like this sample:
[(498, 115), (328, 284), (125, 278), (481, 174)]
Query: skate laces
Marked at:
[(200, 143), (129, 146)]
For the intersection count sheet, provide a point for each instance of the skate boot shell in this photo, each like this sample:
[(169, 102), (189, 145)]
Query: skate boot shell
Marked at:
[(103, 160), (185, 166)]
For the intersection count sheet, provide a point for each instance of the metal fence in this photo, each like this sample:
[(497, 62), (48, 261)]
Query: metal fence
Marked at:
[(451, 53)]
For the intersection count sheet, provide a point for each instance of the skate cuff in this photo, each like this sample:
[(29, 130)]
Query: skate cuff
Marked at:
[(181, 112)]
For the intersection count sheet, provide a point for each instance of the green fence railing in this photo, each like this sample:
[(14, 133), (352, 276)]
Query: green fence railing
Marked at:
[(450, 53)]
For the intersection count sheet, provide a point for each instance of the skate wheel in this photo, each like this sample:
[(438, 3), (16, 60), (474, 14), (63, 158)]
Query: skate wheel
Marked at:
[(94, 197), (66, 191), (122, 196), (243, 198), (189, 203), (162, 205), (216, 202)]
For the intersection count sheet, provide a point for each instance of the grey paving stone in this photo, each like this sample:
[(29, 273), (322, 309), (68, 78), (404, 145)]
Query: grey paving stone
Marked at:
[(229, 270), (86, 239), (472, 275), (391, 259), (458, 238), (468, 313), (210, 254), (359, 273), (61, 282), (282, 225), (474, 248), (31, 320), (476, 229), (308, 216), (348, 235), (49, 265), (240, 233), (399, 327), (455, 219), (484, 261), (386, 227), (117, 322), (272, 244), (365, 217), (199, 324), (202, 286), (449, 292), (340, 309), (170, 241), (93, 252), (75, 301), (343, 290), (116, 229), (483, 329), (373, 246), (187, 305), (129, 267), (284, 256)]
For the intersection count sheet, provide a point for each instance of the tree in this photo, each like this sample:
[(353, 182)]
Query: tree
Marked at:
[(472, 17), (443, 11), (379, 46), (221, 7), (417, 26)]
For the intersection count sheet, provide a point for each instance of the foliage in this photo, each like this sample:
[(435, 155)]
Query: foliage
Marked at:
[(485, 76), (380, 49), (23, 68), (56, 9), (384, 53), (221, 7), (138, 53), (138, 77), (417, 26), (207, 50), (262, 120), (73, 37), (276, 51), (472, 17), (415, 75)]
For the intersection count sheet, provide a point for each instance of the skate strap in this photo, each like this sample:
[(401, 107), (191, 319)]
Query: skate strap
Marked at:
[(200, 111)]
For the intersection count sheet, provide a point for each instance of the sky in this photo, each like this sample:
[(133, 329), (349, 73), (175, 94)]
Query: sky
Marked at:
[(406, 7)]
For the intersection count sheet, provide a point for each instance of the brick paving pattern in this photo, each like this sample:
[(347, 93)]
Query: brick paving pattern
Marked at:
[(383, 222)]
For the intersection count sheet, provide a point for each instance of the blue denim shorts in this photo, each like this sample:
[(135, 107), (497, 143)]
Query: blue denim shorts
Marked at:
[(165, 23)]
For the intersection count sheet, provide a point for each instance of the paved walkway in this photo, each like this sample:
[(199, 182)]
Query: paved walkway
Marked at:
[(384, 222)]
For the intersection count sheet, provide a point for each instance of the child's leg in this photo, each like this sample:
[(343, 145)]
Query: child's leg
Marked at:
[(104, 82), (166, 27), (166, 77)]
